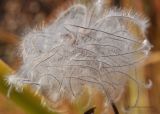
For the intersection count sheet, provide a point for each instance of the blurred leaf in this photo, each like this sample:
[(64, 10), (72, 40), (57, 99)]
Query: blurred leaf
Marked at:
[(7, 37), (153, 58), (26, 99)]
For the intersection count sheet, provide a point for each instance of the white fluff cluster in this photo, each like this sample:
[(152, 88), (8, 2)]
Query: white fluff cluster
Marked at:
[(83, 48)]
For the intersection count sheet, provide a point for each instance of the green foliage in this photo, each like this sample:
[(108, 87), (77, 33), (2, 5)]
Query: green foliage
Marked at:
[(26, 99)]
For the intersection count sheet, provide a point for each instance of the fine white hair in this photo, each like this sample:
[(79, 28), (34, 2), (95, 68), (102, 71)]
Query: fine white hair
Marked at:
[(83, 48)]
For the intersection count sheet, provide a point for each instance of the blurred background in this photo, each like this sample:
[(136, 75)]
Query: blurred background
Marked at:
[(17, 15)]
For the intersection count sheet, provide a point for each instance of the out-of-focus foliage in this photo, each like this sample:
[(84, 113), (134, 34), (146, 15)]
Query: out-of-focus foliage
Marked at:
[(18, 14), (26, 99)]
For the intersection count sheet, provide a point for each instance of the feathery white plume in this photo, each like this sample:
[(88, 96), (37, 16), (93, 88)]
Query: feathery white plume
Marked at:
[(81, 48)]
